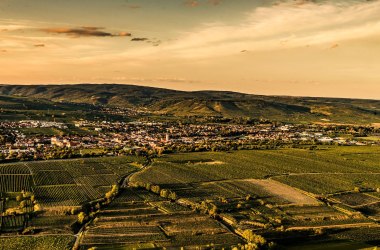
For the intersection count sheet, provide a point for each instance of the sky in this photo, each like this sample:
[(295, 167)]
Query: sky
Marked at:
[(271, 47)]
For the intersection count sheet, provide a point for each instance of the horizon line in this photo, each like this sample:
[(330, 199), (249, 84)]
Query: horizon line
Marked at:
[(188, 91)]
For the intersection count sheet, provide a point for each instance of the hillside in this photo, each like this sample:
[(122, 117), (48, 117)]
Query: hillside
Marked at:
[(204, 103)]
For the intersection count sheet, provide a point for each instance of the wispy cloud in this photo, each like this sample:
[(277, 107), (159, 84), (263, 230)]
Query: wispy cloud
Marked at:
[(287, 24), (84, 31)]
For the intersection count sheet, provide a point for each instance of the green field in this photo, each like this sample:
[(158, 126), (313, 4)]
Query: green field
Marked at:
[(318, 171)]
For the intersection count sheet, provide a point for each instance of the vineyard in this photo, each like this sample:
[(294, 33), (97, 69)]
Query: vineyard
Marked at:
[(66, 182), (173, 203), (135, 218), (276, 192), (15, 183), (333, 182), (316, 171), (12, 223), (55, 184), (356, 199), (15, 211)]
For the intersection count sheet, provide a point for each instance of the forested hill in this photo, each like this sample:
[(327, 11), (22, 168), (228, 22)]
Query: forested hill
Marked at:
[(204, 103)]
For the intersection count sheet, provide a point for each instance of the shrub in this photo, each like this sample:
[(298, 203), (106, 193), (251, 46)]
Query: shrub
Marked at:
[(254, 238)]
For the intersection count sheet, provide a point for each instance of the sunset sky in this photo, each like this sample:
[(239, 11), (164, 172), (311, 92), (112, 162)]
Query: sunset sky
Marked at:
[(281, 47)]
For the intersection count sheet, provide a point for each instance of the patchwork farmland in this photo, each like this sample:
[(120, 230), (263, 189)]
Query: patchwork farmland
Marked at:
[(137, 219), (196, 200), (277, 193), (42, 197)]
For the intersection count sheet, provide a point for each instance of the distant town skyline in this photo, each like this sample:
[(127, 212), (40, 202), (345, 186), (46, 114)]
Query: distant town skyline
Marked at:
[(273, 47)]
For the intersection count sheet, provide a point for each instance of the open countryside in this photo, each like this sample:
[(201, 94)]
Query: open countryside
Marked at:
[(209, 200), (189, 125)]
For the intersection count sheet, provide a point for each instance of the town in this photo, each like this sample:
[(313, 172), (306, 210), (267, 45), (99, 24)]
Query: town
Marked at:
[(38, 140)]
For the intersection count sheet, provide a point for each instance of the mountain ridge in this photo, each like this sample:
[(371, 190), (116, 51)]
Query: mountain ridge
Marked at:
[(204, 102)]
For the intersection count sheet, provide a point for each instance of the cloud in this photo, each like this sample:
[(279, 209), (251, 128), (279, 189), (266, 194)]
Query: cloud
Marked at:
[(123, 33), (39, 45), (334, 46), (11, 27), (294, 2), (139, 39), (266, 28), (154, 42), (3, 51), (85, 32)]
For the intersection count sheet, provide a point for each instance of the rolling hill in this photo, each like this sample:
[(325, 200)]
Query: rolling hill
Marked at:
[(202, 103)]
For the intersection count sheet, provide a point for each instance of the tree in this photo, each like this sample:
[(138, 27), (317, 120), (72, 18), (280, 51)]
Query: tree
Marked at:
[(172, 196), (23, 204), (113, 192), (82, 217), (156, 189), (37, 208), (19, 198), (164, 193)]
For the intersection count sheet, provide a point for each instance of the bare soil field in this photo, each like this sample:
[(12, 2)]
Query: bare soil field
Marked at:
[(284, 191)]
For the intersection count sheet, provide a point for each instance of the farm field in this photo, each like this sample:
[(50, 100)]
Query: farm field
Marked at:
[(331, 245), (39, 197), (275, 192), (330, 183), (198, 199), (66, 182), (132, 222), (357, 199), (260, 164), (56, 242)]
